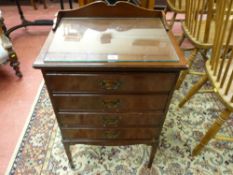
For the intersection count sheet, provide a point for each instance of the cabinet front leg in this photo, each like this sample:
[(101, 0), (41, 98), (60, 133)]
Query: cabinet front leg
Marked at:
[(68, 153), (152, 154)]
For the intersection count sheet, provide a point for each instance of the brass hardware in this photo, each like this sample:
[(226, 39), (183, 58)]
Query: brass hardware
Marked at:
[(111, 104), (111, 134), (110, 85), (113, 121)]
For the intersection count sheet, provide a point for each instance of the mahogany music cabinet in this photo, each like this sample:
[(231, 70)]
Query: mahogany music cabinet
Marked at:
[(110, 72)]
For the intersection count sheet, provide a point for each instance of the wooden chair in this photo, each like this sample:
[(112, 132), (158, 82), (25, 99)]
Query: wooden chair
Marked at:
[(219, 71), (199, 28), (177, 7), (7, 54)]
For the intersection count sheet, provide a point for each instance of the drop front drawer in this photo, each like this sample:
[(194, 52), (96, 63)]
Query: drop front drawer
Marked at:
[(134, 82), (130, 103), (71, 119), (128, 133)]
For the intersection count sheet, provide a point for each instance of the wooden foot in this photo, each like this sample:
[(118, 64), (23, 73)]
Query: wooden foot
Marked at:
[(68, 153), (184, 73), (212, 131), (152, 154), (194, 90)]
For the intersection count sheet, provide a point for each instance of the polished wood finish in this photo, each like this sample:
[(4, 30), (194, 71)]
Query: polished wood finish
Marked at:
[(89, 102), (111, 82), (111, 103), (110, 133), (113, 119)]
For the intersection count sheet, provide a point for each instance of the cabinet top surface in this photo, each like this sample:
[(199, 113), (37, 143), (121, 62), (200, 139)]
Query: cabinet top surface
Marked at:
[(110, 40)]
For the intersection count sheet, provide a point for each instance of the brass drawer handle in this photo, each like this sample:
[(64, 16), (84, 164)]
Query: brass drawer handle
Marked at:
[(111, 134), (110, 85), (112, 121), (111, 104)]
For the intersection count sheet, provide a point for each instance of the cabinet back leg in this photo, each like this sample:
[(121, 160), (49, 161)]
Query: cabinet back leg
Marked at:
[(68, 153)]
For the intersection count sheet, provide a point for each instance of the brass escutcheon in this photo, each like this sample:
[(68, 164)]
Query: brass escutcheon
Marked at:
[(113, 121), (110, 84), (111, 134), (111, 104)]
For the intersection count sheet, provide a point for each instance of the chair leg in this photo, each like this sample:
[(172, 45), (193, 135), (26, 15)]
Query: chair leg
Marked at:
[(194, 90), (45, 4), (165, 21), (212, 131), (172, 20), (184, 73), (33, 3), (14, 63), (68, 153)]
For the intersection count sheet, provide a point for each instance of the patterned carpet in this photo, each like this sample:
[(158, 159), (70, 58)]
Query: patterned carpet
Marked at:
[(41, 151)]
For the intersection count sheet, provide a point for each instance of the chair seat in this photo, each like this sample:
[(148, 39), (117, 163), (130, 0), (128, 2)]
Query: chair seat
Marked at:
[(225, 98)]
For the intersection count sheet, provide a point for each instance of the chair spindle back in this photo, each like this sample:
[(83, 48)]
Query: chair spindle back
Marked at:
[(199, 16), (221, 62)]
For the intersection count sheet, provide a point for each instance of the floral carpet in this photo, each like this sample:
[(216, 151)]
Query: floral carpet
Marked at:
[(41, 150)]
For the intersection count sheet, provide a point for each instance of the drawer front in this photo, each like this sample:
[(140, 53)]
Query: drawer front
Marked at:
[(109, 119), (145, 82), (130, 103), (127, 133)]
